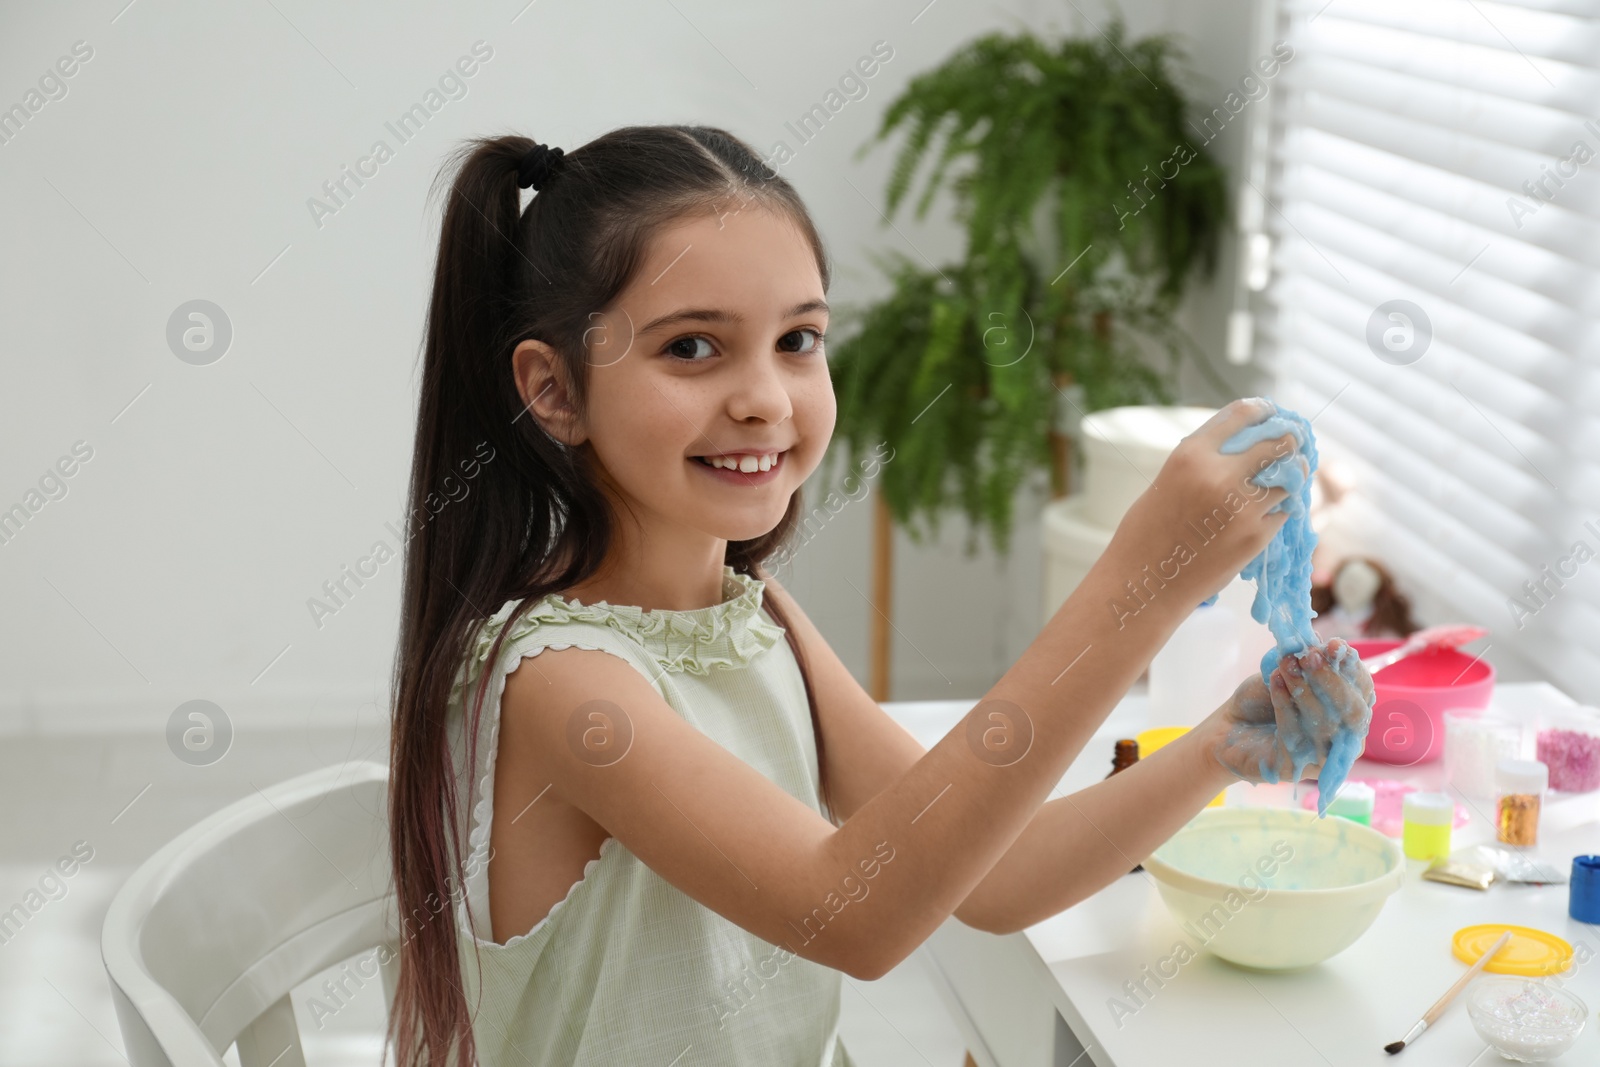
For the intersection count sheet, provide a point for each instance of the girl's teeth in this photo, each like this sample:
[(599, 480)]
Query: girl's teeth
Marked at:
[(747, 464)]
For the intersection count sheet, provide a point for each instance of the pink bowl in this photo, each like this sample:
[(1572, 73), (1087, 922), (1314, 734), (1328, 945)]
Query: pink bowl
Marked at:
[(1412, 697)]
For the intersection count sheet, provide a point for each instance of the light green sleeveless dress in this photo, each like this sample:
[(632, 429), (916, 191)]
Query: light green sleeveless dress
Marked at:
[(627, 969)]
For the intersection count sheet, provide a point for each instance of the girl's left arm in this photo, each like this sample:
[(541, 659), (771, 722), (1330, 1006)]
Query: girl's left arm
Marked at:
[(1117, 822), (1322, 697), (1076, 845), (1124, 818)]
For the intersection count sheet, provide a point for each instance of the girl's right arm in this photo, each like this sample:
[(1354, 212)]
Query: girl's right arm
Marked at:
[(862, 896)]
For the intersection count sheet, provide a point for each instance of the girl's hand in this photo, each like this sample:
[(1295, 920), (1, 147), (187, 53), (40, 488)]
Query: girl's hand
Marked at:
[(1203, 518), (1318, 706)]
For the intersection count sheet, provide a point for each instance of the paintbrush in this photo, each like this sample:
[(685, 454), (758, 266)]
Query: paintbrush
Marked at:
[(1443, 1002)]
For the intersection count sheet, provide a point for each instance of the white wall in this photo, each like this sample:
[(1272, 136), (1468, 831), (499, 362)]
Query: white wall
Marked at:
[(219, 498)]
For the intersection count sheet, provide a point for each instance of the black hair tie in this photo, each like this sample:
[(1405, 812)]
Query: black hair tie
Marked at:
[(538, 165)]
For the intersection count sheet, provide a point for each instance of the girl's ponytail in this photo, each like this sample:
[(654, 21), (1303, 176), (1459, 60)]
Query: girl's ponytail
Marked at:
[(472, 288), (533, 518)]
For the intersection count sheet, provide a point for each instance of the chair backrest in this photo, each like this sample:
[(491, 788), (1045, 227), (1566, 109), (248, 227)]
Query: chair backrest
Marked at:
[(206, 939)]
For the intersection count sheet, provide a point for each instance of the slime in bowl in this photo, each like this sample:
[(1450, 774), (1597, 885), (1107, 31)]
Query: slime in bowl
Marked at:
[(1274, 888)]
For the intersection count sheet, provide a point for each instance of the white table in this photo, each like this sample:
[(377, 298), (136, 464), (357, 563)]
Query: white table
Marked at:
[(1041, 997)]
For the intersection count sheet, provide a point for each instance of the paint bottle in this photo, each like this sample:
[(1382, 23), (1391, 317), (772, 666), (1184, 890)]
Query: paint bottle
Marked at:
[(1428, 817), (1354, 801), (1197, 669), (1519, 793), (1583, 903)]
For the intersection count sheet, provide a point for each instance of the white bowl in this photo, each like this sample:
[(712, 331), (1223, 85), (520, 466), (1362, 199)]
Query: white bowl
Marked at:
[(1275, 889), (1529, 1020)]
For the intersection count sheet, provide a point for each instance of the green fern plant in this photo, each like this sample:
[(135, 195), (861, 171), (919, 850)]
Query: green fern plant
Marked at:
[(1080, 241)]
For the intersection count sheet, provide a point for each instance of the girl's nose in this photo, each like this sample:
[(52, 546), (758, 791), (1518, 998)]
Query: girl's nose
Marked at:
[(760, 391)]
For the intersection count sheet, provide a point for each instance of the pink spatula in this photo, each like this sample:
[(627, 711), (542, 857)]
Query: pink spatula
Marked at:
[(1448, 636)]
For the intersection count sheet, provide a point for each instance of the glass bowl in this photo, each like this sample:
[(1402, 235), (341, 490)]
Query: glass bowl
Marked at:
[(1526, 1019)]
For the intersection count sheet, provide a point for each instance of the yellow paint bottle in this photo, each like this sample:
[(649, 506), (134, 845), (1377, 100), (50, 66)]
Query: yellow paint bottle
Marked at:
[(1428, 817)]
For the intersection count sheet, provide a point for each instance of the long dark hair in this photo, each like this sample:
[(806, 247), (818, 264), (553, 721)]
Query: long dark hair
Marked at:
[(1391, 609), (533, 518)]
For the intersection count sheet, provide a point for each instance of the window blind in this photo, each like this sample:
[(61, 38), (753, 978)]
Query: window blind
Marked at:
[(1444, 154)]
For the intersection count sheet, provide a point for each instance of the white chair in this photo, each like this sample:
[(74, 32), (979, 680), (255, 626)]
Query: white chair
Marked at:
[(205, 941)]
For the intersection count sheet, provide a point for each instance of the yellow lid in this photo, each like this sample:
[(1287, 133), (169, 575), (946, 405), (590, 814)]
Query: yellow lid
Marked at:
[(1150, 740), (1531, 953)]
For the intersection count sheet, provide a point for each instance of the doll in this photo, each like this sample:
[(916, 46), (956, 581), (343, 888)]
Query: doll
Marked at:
[(1361, 603)]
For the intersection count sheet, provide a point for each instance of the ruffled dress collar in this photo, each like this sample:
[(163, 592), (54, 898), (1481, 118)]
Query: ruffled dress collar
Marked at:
[(696, 641)]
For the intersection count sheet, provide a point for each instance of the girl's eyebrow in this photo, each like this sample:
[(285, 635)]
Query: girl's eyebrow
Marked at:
[(719, 315)]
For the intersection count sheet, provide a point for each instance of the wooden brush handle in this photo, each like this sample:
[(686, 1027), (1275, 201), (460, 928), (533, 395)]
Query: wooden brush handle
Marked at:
[(1432, 1015)]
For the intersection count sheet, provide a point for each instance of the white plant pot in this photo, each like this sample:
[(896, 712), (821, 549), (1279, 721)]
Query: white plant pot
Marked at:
[(1123, 450)]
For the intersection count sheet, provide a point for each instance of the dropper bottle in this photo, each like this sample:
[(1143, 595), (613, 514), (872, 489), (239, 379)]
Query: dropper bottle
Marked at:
[(1125, 756)]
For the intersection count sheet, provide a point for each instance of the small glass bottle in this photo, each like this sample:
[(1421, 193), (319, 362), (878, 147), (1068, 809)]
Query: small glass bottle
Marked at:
[(1428, 818), (1519, 793), (1125, 756)]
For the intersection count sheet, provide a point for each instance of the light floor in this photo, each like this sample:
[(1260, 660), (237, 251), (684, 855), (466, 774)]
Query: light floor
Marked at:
[(128, 795)]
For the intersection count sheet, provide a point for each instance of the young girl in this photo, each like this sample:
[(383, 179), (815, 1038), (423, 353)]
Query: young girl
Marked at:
[(640, 811)]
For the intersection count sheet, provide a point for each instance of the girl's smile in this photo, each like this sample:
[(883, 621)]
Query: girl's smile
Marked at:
[(750, 467)]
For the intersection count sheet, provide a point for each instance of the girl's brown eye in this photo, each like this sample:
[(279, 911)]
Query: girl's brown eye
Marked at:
[(678, 352), (815, 345)]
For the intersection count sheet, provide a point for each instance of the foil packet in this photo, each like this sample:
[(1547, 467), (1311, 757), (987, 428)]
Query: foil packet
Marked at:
[(1462, 872), (1513, 865), (1480, 866)]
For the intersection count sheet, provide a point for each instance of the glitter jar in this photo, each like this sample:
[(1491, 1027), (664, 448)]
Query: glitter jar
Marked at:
[(1568, 742), (1426, 832), (1519, 792), (1474, 744)]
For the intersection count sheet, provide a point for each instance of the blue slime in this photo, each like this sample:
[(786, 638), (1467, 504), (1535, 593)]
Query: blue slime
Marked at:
[(1282, 573)]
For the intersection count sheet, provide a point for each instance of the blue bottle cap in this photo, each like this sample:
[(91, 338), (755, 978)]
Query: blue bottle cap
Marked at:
[(1583, 902)]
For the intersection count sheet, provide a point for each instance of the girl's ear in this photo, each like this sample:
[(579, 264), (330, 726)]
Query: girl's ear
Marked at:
[(542, 381)]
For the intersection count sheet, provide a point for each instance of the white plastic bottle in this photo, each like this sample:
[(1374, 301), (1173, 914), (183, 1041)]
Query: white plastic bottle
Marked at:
[(1197, 669)]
